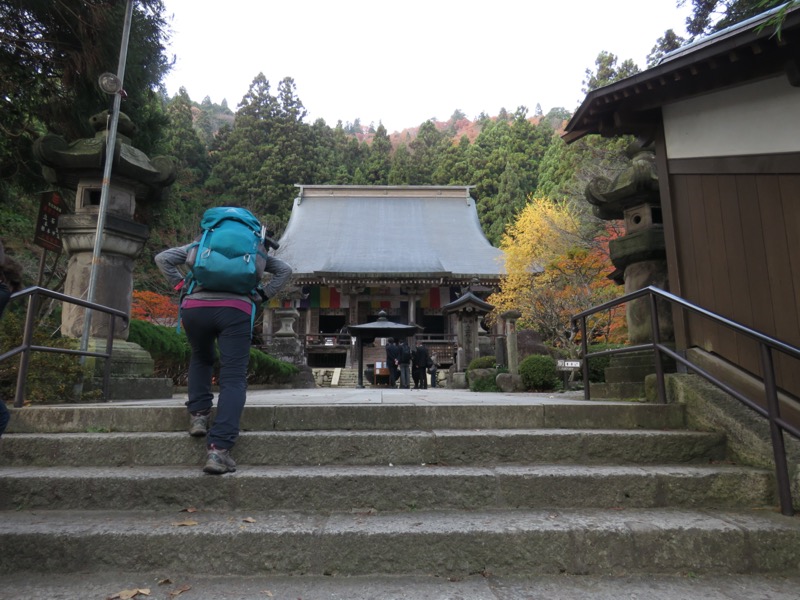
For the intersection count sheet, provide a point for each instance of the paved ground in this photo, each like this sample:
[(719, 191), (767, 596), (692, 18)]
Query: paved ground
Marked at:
[(339, 395)]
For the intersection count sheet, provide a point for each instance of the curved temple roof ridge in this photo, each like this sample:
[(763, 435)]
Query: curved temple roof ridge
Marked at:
[(394, 232)]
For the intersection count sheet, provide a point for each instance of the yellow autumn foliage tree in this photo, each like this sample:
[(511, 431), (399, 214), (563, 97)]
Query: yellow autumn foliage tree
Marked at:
[(554, 269)]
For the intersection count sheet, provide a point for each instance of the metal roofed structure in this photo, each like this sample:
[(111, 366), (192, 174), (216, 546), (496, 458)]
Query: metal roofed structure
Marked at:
[(406, 250), (746, 52), (723, 114), (388, 234)]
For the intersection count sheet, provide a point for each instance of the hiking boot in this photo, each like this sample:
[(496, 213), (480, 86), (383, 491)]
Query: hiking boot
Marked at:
[(198, 424), (219, 461)]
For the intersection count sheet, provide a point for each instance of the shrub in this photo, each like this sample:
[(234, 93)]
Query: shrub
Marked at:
[(538, 372), (169, 349), (171, 353), (51, 376), (484, 384), (482, 362), (265, 369)]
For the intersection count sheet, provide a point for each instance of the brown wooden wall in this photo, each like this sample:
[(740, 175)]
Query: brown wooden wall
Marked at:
[(736, 229)]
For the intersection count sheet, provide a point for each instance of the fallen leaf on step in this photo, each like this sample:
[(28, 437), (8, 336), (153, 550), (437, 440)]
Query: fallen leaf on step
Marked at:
[(186, 523), (179, 591), (249, 520), (128, 594), (191, 509), (166, 581)]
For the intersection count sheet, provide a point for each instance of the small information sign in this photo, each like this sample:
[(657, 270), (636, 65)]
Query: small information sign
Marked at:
[(568, 365)]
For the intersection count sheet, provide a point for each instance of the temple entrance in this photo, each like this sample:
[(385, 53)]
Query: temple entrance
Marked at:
[(324, 360), (433, 324), (331, 323)]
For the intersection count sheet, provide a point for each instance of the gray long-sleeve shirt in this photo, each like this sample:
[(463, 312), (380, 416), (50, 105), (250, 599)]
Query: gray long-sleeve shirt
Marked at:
[(170, 260)]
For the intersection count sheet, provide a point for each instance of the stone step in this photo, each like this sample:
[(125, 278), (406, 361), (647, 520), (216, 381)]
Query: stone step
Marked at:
[(385, 488), (449, 447), (480, 586), (445, 543), (336, 377), (638, 358), (118, 417), (621, 390), (628, 374), (379, 485)]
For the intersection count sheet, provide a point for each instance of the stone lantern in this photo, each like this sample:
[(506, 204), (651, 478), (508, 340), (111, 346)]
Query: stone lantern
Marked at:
[(640, 255), (640, 260), (469, 310), (79, 166)]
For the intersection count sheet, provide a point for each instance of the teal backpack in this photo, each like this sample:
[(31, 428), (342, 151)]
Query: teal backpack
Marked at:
[(229, 255)]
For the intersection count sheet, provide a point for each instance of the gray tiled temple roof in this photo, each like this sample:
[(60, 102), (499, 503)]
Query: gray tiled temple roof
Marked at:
[(387, 232)]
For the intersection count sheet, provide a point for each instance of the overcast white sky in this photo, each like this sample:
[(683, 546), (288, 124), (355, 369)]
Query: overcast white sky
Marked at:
[(404, 62)]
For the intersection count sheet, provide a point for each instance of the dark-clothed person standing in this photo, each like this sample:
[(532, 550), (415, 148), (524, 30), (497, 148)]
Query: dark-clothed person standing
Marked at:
[(392, 361), (421, 363), (405, 365)]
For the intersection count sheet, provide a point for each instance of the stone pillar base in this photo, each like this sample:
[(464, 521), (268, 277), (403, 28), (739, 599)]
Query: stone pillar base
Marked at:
[(131, 372), (457, 380), (128, 359), (133, 388), (287, 349)]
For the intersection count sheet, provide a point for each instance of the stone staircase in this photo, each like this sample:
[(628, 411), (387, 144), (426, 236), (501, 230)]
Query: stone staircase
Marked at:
[(625, 375), (508, 487), (336, 377)]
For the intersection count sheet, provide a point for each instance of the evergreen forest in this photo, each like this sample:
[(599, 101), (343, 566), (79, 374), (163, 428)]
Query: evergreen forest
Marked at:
[(52, 53)]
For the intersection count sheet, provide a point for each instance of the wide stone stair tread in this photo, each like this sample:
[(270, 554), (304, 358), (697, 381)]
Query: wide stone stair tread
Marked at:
[(626, 390), (481, 586), (382, 485), (454, 543), (628, 374), (383, 416), (441, 446), (393, 488)]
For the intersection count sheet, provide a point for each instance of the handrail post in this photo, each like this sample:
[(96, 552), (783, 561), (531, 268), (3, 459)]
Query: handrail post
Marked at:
[(585, 350), (27, 337), (778, 447), (767, 345), (109, 350), (662, 392), (26, 347)]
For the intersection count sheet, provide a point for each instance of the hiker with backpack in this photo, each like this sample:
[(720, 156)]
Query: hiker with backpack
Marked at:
[(219, 292)]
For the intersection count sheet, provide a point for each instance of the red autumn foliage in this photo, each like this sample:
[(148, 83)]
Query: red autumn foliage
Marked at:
[(155, 308)]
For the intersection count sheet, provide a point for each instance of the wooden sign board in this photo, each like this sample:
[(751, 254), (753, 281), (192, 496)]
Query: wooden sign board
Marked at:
[(50, 208)]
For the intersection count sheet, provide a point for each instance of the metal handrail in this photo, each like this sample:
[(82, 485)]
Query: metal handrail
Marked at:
[(767, 345), (33, 293)]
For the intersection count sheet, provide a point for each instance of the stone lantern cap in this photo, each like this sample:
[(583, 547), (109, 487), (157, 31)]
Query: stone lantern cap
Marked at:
[(634, 186), (468, 303), (67, 163)]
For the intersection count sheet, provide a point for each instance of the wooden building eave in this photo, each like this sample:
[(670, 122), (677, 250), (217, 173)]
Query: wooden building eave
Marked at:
[(742, 53)]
